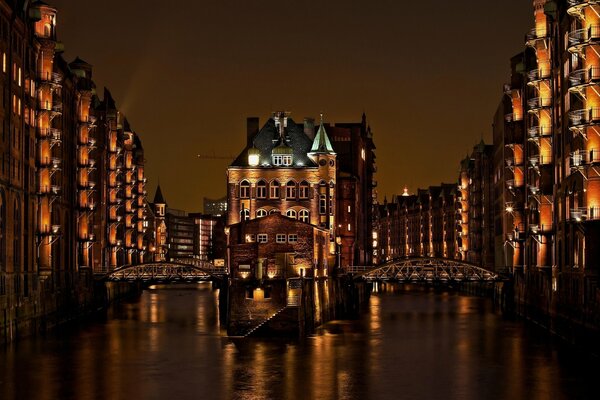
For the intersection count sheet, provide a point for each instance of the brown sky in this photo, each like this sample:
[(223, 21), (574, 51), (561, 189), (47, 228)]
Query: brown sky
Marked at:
[(187, 73)]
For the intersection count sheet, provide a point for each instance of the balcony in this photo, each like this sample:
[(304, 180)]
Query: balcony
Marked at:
[(537, 229), (539, 74), (575, 7), (538, 103), (535, 35), (582, 78), (517, 234), (537, 161), (579, 119), (51, 78), (580, 38), (534, 190), (50, 190), (51, 162), (535, 132), (88, 207), (578, 160), (90, 122), (582, 214), (512, 117)]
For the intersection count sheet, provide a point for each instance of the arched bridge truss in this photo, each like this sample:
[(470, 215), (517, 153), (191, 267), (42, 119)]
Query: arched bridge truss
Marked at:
[(423, 269), (168, 272)]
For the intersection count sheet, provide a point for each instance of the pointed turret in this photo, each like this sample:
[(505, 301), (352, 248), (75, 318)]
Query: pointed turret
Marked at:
[(321, 144), (158, 196)]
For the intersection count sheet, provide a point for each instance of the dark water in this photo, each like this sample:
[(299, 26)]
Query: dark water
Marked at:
[(410, 344)]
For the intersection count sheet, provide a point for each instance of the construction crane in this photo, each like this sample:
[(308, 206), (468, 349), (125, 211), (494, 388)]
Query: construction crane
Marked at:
[(214, 157)]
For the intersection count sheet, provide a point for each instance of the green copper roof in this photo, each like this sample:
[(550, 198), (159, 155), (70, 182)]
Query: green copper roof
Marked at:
[(321, 144)]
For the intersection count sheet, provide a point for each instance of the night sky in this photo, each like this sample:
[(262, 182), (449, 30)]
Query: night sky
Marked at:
[(429, 75)]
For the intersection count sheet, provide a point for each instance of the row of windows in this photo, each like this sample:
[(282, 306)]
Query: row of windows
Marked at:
[(292, 190), (279, 238), (303, 215)]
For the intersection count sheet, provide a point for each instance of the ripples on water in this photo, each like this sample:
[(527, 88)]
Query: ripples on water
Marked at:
[(412, 343)]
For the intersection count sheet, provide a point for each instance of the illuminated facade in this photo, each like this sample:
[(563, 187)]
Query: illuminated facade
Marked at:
[(284, 169), (357, 190), (54, 172), (420, 225)]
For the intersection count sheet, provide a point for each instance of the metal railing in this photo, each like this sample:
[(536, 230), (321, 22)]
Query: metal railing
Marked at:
[(581, 37), (584, 76), (584, 116), (539, 102)]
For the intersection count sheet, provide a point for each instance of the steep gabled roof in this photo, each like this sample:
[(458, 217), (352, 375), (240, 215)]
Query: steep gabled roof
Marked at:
[(321, 144), (158, 196), (269, 137)]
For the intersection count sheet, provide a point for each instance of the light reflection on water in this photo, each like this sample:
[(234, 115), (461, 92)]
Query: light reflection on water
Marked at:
[(411, 344)]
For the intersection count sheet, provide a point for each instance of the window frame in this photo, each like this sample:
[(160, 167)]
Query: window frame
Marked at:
[(281, 238)]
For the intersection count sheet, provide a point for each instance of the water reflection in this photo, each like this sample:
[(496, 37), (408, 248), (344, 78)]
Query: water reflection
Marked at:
[(412, 344)]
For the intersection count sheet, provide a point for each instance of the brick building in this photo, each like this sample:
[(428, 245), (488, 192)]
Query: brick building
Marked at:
[(289, 168), (57, 168), (276, 247)]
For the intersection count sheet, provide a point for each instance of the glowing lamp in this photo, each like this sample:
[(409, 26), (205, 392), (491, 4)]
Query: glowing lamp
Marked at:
[(253, 157)]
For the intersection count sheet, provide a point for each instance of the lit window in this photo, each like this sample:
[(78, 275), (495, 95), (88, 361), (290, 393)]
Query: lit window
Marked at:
[(349, 209), (262, 238), (293, 238), (349, 227), (245, 190), (274, 190), (261, 213), (4, 62), (261, 190), (363, 154), (322, 204), (304, 190), (286, 160), (304, 216), (250, 238), (277, 160), (245, 214), (291, 214), (280, 238), (290, 190), (19, 77)]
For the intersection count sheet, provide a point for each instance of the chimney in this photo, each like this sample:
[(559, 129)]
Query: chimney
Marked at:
[(309, 128), (251, 129)]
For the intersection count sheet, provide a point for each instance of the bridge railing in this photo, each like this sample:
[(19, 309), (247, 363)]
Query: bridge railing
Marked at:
[(205, 265), (422, 269), (357, 269)]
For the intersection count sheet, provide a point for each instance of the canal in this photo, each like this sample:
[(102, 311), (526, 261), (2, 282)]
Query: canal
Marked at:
[(410, 343)]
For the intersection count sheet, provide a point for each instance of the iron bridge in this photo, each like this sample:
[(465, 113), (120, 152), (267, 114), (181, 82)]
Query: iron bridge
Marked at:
[(423, 269), (168, 272)]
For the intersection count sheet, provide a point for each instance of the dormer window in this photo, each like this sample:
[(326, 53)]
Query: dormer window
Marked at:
[(284, 160)]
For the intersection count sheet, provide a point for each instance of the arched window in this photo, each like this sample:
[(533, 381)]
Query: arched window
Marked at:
[(304, 190), (273, 211), (304, 216), (290, 190), (245, 214), (261, 190), (245, 190), (291, 214), (261, 213), (275, 190)]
